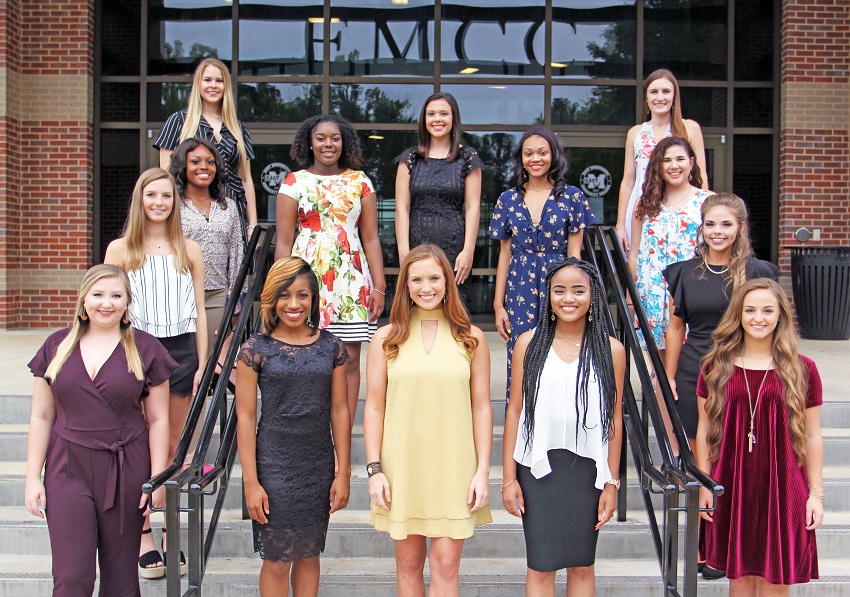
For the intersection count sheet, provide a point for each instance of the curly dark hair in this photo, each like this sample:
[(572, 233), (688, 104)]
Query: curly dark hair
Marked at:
[(594, 358), (654, 187), (302, 146), (557, 169), (177, 169)]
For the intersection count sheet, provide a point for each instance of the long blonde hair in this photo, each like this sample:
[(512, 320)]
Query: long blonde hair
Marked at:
[(67, 346), (137, 223), (718, 366), (459, 323), (742, 249), (228, 110)]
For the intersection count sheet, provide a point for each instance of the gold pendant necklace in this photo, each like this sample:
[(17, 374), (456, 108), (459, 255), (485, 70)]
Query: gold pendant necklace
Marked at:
[(568, 357), (720, 273), (751, 438)]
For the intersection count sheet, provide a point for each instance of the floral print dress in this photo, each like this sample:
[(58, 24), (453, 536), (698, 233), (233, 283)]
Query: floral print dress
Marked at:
[(667, 238), (533, 248), (644, 145), (329, 240)]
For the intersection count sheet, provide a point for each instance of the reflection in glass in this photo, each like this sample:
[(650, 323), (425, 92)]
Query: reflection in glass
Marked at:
[(593, 105), (706, 105), (597, 171), (753, 181), (119, 102), (119, 169), (166, 98), (505, 104), (120, 37), (269, 167), (375, 37), (379, 103), (594, 38), (754, 40), (278, 102), (754, 107), (687, 37), (182, 33), (280, 37), (493, 38)]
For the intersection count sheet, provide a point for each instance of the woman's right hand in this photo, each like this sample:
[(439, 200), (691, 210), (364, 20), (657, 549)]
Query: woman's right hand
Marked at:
[(379, 491), (706, 500), (511, 494), (35, 498), (503, 323), (257, 502)]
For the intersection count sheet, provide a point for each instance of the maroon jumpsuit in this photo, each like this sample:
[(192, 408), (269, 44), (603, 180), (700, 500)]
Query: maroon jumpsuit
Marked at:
[(97, 460)]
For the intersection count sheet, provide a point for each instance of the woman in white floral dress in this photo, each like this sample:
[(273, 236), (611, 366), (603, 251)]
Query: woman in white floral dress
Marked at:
[(333, 209)]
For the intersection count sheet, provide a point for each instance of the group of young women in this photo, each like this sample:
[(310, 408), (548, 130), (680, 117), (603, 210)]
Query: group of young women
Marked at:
[(146, 322)]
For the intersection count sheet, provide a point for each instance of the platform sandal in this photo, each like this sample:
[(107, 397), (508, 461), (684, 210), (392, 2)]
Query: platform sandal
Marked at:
[(148, 560), (184, 567)]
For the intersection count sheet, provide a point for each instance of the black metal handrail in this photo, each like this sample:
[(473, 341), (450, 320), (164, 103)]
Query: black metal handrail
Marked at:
[(603, 249)]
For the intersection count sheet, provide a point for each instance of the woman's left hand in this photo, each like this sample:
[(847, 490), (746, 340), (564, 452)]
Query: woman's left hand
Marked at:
[(814, 513), (607, 504), (155, 500), (375, 304), (479, 491), (463, 265), (196, 382), (340, 491)]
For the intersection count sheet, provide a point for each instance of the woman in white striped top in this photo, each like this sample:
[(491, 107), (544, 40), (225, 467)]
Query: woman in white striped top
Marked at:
[(166, 274)]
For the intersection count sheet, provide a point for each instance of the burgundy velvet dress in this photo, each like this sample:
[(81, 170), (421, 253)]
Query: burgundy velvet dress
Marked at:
[(97, 460), (759, 526)]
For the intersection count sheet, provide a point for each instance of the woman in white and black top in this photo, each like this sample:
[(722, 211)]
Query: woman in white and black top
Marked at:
[(211, 115), (563, 430), (166, 274)]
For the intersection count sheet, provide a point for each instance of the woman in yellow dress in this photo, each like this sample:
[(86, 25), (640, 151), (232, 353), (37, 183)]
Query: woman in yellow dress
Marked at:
[(428, 425)]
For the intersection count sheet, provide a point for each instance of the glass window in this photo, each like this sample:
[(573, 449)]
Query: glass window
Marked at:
[(379, 103), (754, 40), (166, 98), (687, 37), (753, 182), (597, 171), (269, 167), (594, 38), (493, 38), (754, 107), (181, 32), (120, 37), (280, 37), (504, 104), (706, 105), (376, 37), (119, 169), (119, 102), (593, 105), (279, 102)]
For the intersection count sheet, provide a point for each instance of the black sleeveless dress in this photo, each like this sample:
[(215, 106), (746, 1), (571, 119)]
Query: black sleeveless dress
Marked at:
[(437, 202)]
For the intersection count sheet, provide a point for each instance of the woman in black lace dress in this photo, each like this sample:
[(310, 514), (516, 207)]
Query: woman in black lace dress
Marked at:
[(438, 190), (288, 462)]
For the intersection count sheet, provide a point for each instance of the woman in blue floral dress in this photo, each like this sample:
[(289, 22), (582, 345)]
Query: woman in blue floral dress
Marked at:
[(539, 221), (665, 227)]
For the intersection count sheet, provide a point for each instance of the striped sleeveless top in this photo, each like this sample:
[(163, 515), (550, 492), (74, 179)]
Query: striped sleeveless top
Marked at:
[(163, 298)]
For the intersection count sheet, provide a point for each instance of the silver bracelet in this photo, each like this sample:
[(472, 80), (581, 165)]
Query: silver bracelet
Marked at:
[(381, 292)]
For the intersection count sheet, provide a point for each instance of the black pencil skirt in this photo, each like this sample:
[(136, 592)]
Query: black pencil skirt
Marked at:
[(560, 513)]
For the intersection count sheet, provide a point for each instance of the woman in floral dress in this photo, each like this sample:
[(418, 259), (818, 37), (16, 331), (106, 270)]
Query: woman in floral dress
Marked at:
[(538, 222), (334, 211)]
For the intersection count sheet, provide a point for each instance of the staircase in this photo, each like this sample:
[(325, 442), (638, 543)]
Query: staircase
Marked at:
[(359, 560)]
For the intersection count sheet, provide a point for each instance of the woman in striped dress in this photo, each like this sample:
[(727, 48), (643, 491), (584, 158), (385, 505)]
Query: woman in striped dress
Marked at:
[(166, 274)]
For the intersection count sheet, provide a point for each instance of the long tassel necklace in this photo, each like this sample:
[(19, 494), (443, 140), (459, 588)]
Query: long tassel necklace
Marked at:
[(751, 438)]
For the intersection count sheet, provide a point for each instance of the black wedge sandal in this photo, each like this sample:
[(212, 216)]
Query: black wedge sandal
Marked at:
[(184, 567), (148, 563)]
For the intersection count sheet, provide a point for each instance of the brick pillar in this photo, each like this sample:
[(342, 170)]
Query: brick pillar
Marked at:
[(46, 157), (815, 124)]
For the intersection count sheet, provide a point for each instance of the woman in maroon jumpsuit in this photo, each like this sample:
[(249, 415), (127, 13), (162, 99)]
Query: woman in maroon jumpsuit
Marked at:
[(89, 431)]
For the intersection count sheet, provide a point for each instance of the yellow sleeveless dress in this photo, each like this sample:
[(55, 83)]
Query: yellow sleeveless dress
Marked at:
[(428, 452)]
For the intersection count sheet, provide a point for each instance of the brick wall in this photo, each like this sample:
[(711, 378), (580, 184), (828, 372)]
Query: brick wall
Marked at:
[(46, 163), (814, 175)]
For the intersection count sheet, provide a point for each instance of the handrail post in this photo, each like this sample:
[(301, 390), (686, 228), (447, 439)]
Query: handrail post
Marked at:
[(196, 542), (692, 518), (172, 540), (670, 560)]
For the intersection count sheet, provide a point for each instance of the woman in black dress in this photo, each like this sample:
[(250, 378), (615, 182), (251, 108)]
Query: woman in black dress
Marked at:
[(288, 461), (438, 190)]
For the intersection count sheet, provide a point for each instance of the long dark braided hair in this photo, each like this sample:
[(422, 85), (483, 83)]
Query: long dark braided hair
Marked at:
[(594, 355)]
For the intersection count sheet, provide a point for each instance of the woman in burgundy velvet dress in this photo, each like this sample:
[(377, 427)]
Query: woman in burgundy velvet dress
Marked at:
[(759, 436), (97, 445)]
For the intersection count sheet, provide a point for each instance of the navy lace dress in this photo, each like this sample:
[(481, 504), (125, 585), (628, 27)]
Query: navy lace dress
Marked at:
[(295, 457)]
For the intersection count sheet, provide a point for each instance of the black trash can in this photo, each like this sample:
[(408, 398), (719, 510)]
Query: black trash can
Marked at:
[(820, 279)]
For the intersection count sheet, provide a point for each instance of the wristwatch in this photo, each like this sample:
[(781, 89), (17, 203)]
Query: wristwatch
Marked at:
[(614, 482), (373, 468)]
